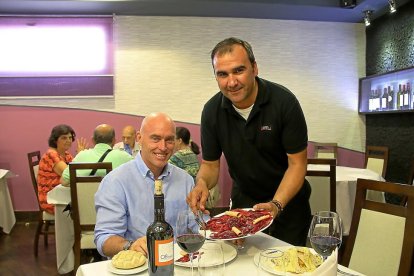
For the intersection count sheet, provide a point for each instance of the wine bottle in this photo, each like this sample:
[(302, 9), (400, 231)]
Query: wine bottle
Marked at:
[(390, 98), (371, 99), (160, 238), (400, 98), (406, 102), (384, 100)]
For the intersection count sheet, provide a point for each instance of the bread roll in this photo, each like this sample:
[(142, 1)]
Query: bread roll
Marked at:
[(128, 259)]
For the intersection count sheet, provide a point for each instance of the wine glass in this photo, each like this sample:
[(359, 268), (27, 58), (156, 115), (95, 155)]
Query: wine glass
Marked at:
[(271, 260), (190, 236), (211, 259), (325, 232)]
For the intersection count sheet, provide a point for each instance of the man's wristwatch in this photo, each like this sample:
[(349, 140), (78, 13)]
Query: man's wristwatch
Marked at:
[(127, 245)]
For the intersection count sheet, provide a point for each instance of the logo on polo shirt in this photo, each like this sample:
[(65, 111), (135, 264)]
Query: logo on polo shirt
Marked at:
[(266, 128)]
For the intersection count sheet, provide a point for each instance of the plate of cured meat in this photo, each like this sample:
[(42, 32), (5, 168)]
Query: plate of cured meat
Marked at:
[(238, 223)]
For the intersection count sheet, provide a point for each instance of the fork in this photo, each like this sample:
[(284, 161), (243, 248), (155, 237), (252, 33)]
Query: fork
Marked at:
[(200, 221)]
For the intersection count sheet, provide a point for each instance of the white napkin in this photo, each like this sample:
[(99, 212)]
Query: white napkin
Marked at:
[(328, 267)]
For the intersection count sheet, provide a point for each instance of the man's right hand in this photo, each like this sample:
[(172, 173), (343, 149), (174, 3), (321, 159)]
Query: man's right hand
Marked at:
[(198, 196)]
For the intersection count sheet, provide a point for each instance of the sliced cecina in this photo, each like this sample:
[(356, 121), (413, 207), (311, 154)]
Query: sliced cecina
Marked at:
[(233, 214), (235, 230), (261, 218)]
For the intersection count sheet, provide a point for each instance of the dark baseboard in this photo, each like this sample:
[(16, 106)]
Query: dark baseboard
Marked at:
[(26, 216)]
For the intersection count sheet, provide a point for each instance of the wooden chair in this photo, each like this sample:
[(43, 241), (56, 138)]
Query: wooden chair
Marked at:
[(381, 239), (409, 182), (323, 183), (45, 220), (326, 150), (376, 159), (82, 190)]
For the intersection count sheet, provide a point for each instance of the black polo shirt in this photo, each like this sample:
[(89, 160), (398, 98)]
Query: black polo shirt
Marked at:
[(255, 149)]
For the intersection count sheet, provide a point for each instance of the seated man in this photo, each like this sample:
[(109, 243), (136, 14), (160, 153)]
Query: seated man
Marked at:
[(104, 139), (128, 143), (124, 201)]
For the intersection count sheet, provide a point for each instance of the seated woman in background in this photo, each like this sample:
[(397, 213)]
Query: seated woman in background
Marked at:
[(53, 162), (186, 151), (185, 157)]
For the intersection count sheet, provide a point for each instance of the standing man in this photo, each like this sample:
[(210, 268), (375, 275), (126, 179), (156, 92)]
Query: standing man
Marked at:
[(261, 129), (128, 143), (124, 201)]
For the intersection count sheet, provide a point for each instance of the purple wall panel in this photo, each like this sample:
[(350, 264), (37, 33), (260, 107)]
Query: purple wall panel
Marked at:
[(57, 86)]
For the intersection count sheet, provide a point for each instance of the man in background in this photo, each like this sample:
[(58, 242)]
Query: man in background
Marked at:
[(104, 139), (129, 143)]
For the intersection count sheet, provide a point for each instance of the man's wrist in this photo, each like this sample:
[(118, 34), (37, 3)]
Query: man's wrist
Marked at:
[(278, 205), (127, 244)]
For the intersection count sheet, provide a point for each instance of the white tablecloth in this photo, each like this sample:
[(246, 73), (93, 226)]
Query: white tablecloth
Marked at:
[(60, 197), (346, 178), (7, 217), (242, 265)]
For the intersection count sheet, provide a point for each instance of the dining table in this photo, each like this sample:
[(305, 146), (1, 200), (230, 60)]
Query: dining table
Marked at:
[(242, 264), (7, 216), (346, 178), (64, 231)]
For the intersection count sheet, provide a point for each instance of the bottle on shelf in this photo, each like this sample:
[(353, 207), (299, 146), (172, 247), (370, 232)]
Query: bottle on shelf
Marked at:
[(371, 99), (390, 98), (160, 238), (400, 98), (406, 98), (384, 100), (410, 93), (377, 99)]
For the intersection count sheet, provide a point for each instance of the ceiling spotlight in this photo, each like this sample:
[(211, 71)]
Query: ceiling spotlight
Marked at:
[(367, 17), (393, 6)]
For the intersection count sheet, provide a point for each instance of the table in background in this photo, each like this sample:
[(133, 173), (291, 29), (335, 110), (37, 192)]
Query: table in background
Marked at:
[(346, 178), (64, 233), (242, 265), (7, 217)]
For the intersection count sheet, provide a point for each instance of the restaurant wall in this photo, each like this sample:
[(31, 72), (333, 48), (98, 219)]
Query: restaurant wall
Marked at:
[(163, 64), (390, 46)]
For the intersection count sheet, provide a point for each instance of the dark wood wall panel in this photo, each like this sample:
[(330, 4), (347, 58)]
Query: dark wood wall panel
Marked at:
[(390, 46)]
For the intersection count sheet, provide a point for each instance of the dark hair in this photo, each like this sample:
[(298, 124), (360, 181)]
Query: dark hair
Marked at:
[(226, 46), (58, 131), (184, 134), (104, 136)]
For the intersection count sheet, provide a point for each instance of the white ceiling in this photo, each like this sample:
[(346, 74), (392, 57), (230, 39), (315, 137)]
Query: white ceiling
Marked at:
[(312, 10)]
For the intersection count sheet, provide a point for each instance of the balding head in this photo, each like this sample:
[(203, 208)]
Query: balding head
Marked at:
[(104, 134), (129, 136), (157, 140)]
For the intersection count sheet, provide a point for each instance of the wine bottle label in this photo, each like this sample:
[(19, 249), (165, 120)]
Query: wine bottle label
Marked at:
[(164, 252)]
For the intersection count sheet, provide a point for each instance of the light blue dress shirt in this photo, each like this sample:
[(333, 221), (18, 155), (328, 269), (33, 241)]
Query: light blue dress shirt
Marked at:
[(124, 201)]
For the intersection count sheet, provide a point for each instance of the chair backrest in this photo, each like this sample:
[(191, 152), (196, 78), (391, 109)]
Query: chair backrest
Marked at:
[(34, 160), (376, 159), (409, 182), (381, 238), (82, 190), (323, 182), (326, 150)]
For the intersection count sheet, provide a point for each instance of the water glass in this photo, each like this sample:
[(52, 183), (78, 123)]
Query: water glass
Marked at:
[(271, 261), (211, 259)]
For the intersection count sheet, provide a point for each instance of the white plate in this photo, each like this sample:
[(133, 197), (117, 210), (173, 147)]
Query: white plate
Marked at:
[(136, 270), (281, 248), (208, 232), (229, 253)]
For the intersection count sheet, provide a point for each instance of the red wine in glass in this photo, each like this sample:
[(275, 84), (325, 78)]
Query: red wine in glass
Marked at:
[(190, 243)]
